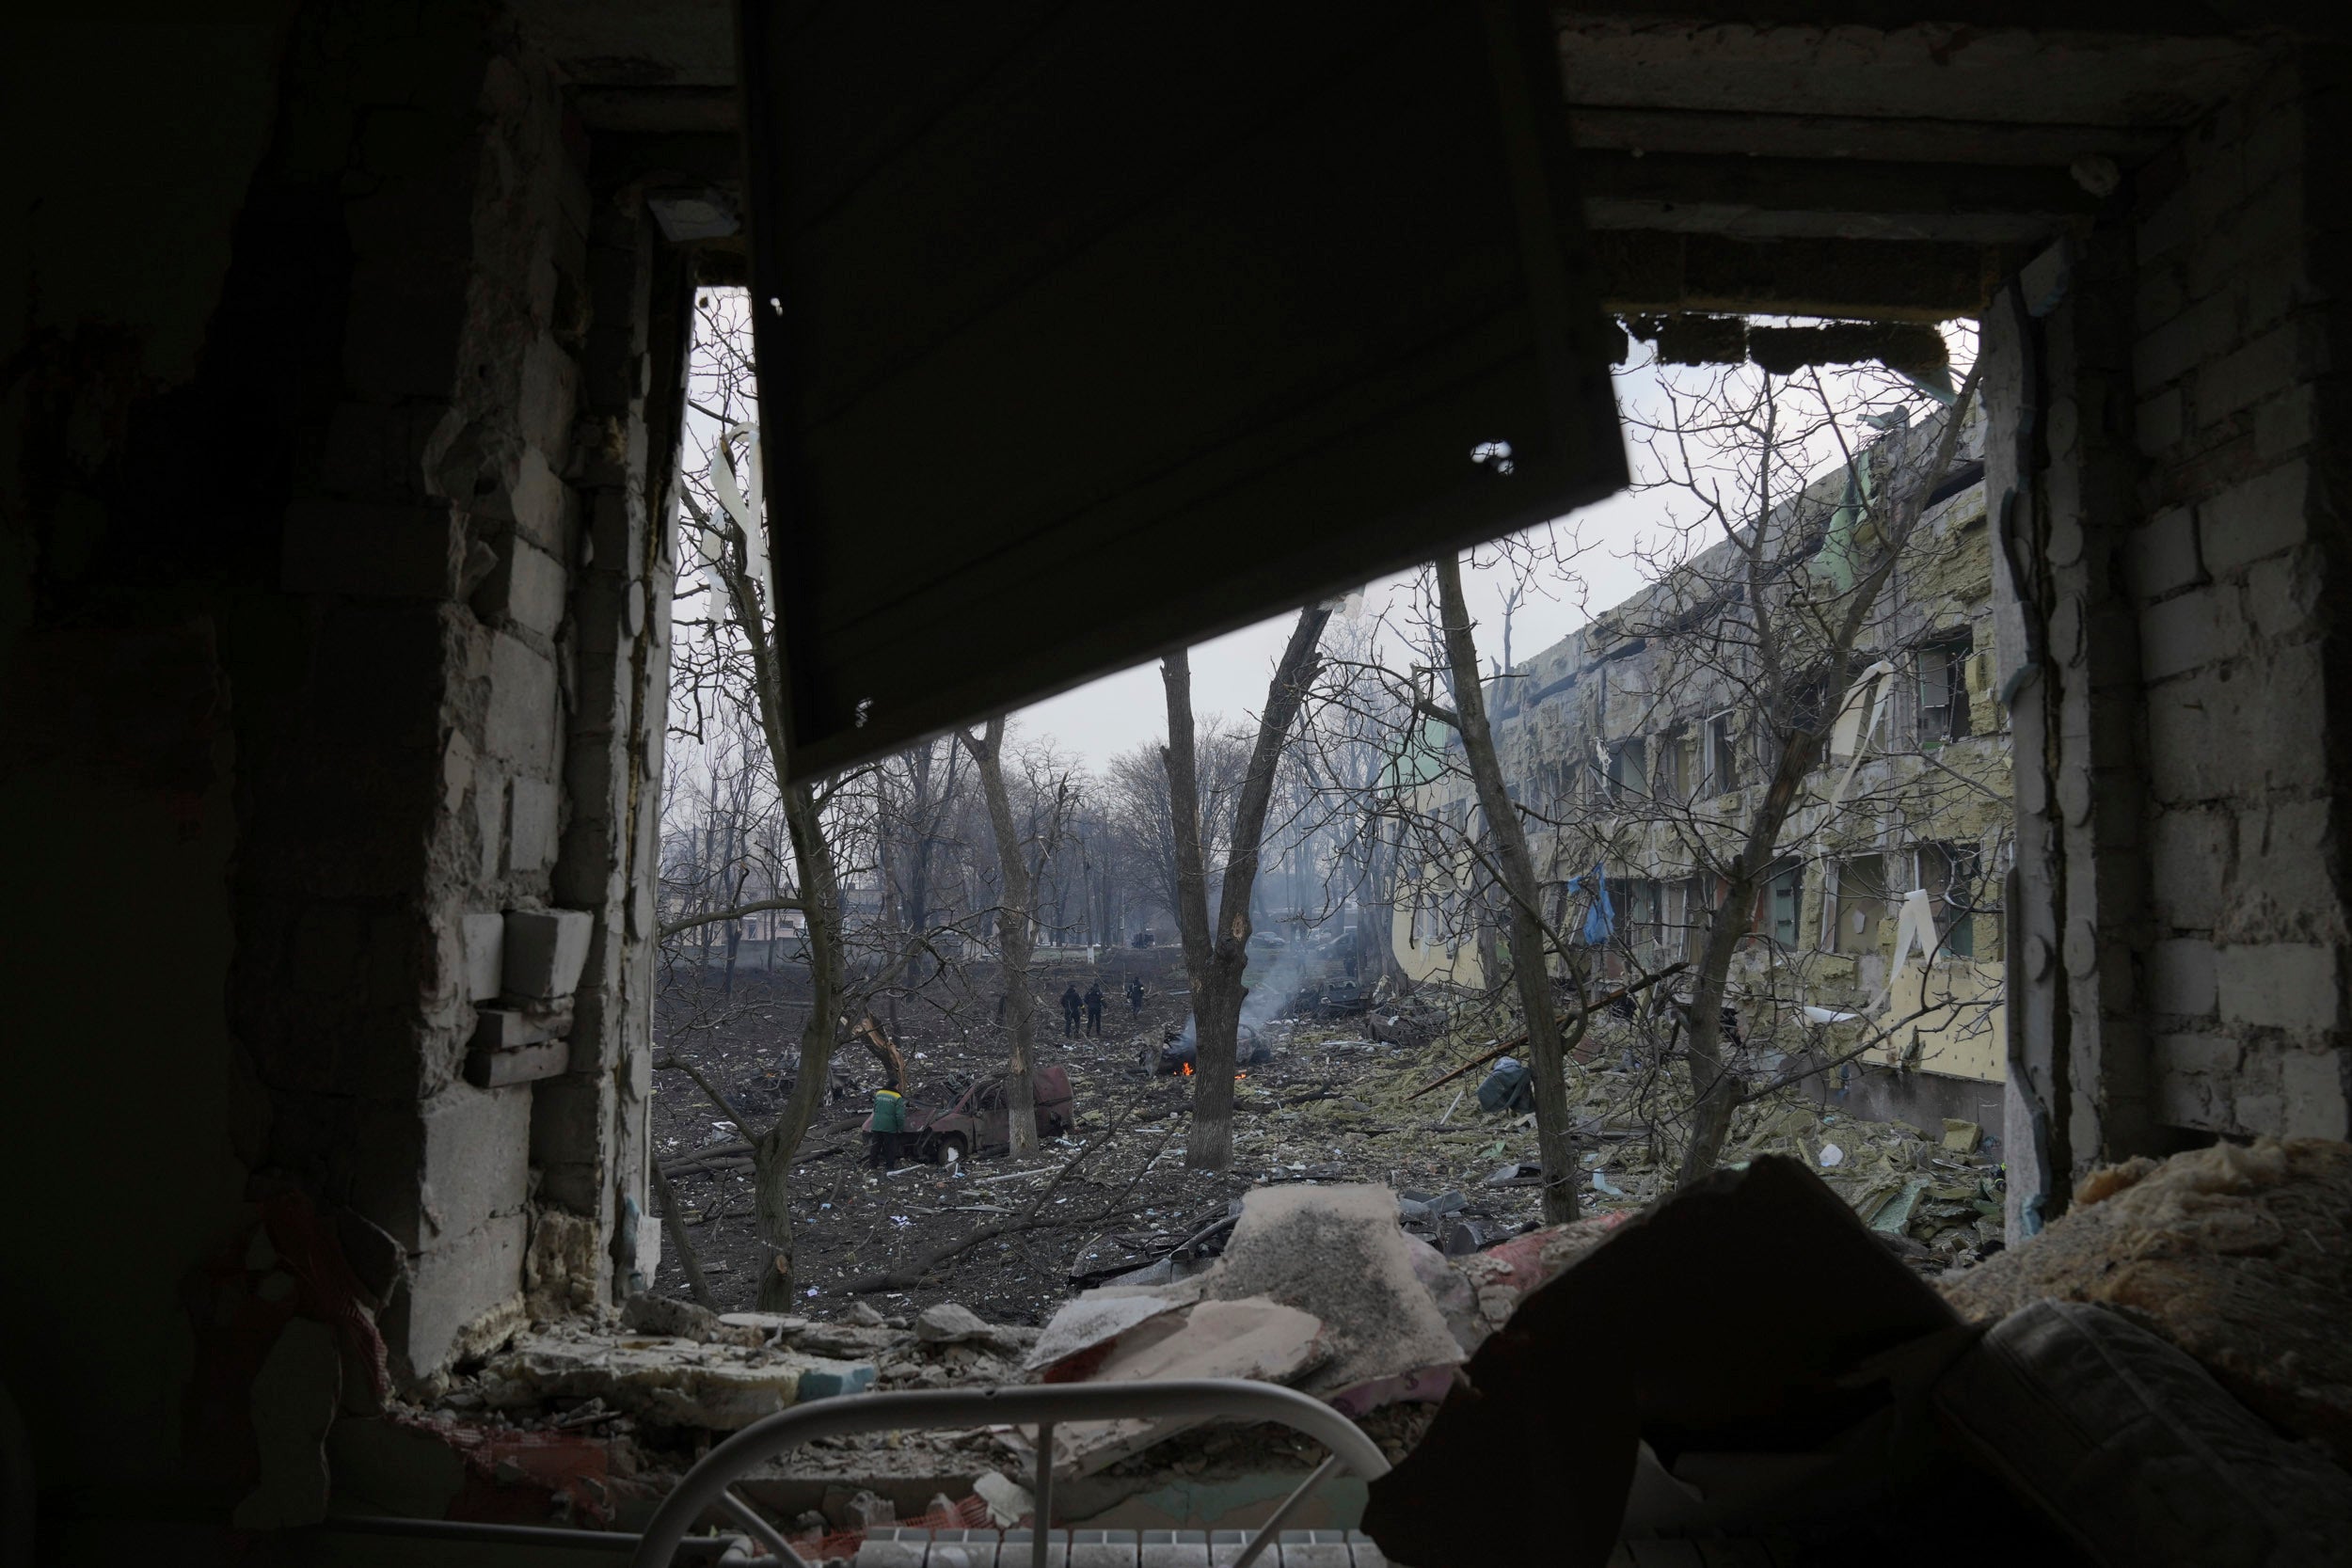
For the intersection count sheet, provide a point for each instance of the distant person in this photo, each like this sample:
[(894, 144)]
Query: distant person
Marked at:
[(1134, 994), (1094, 1008), (889, 1126), (1072, 1006)]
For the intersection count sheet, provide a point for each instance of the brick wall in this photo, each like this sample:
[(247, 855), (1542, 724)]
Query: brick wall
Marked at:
[(2228, 574)]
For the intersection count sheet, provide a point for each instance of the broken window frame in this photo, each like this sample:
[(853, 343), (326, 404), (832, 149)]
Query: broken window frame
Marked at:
[(1943, 659), (1720, 741), (1936, 864), (1784, 877), (1854, 882), (1628, 771)]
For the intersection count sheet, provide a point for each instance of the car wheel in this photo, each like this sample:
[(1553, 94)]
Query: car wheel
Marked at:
[(950, 1149)]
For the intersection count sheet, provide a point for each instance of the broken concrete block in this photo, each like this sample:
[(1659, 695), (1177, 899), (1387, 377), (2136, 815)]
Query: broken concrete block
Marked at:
[(485, 954), (295, 1398), (946, 1324), (1008, 1501), (512, 1028), (546, 950)]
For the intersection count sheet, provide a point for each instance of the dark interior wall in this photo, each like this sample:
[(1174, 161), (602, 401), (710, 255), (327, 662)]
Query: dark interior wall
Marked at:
[(332, 638), (118, 752)]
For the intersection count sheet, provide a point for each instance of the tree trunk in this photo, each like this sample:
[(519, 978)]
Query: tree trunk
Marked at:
[(1554, 1134), (772, 1154), (1014, 945), (1215, 957)]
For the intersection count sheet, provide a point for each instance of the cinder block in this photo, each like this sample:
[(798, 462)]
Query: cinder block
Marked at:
[(535, 588), (455, 1282), (533, 807), (2280, 984), (2182, 633), (550, 384), (2247, 374), (2181, 977), (524, 1063), (485, 954), (2260, 516), (2312, 1085), (545, 950), (2187, 857), (511, 1028), (525, 709), (369, 552), (2162, 555)]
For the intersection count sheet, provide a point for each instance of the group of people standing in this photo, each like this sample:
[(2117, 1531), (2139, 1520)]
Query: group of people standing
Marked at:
[(1091, 1005)]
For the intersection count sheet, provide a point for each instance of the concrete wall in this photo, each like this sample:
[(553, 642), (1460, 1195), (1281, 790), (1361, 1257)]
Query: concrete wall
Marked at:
[(333, 610)]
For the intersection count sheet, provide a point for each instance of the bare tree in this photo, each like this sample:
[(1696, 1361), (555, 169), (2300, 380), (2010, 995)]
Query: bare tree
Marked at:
[(1015, 933), (1514, 874), (1215, 955)]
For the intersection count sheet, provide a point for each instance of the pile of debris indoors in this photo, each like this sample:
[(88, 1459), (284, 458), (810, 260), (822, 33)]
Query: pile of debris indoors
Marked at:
[(2183, 1321)]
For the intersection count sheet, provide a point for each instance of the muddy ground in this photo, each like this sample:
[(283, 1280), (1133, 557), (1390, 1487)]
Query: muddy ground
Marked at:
[(1331, 1105), (1302, 1115)]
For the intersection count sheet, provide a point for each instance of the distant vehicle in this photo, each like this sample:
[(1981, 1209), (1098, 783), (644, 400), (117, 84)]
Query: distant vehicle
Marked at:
[(976, 1120), (1144, 938)]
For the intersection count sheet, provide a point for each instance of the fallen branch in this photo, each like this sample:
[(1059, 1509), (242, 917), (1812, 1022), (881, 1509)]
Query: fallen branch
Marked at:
[(1518, 1040)]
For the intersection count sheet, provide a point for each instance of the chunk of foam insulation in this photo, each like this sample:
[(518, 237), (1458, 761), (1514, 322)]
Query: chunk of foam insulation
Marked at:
[(1337, 1253), (1259, 1339), (673, 1382), (2242, 1256)]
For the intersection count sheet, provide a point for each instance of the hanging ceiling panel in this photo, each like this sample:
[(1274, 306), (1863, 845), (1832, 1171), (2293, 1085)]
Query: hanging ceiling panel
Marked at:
[(1088, 330)]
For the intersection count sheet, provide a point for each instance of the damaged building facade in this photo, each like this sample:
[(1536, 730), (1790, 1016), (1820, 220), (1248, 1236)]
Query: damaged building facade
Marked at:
[(1642, 746), (344, 356)]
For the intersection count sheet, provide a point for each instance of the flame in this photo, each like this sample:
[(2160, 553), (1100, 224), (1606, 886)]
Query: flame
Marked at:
[(1185, 1071)]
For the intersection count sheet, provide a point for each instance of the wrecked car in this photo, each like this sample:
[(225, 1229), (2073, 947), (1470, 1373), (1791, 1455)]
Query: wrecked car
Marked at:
[(975, 1120)]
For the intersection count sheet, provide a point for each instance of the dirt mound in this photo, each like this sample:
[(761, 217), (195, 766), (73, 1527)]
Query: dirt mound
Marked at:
[(2240, 1256)]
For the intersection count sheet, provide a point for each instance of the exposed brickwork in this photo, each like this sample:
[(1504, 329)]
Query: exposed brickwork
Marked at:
[(2232, 365)]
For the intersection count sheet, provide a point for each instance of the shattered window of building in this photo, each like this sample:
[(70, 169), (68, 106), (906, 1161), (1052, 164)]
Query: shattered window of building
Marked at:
[(1667, 776), (1722, 754), (1629, 772), (1952, 874), (1944, 690), (1782, 903), (1862, 904)]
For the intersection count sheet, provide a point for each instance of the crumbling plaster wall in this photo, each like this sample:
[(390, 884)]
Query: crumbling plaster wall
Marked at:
[(332, 612)]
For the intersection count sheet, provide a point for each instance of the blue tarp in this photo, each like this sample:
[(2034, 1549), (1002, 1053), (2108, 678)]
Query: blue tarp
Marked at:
[(1600, 918)]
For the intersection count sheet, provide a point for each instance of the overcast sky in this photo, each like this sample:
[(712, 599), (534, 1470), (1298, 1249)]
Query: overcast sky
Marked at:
[(1229, 675)]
